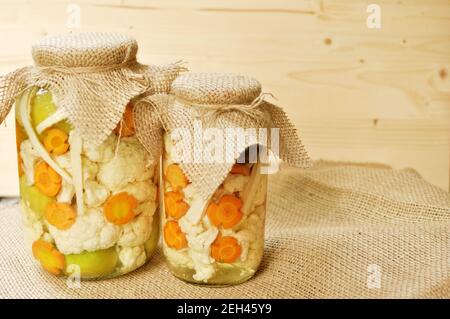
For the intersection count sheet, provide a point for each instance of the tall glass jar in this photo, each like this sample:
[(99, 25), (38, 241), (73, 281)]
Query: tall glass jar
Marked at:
[(219, 241), (88, 210)]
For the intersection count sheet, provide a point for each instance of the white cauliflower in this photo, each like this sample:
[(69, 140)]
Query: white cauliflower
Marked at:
[(128, 165), (148, 207), (66, 193), (245, 237), (63, 161), (90, 232), (189, 192), (102, 153), (90, 169), (142, 191), (188, 228), (131, 258), (136, 232), (95, 194), (199, 252), (29, 157), (178, 257), (33, 227), (203, 265), (235, 183), (195, 211)]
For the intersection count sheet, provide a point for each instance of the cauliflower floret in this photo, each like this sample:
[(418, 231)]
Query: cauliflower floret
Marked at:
[(148, 207), (203, 265), (128, 165), (131, 258), (90, 169), (66, 193), (94, 193), (189, 192), (199, 252), (89, 232), (101, 153), (195, 211), (29, 157), (178, 257), (245, 237), (142, 191), (63, 161), (33, 227), (188, 228), (136, 232), (235, 183)]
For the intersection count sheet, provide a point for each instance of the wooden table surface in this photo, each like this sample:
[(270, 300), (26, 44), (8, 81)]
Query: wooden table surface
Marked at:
[(355, 93)]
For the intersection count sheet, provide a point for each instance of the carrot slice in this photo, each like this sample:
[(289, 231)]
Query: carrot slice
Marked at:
[(56, 141), (225, 249), (49, 257), (119, 208), (241, 169), (126, 128), (227, 213), (46, 179), (174, 204), (60, 215), (176, 177), (173, 235)]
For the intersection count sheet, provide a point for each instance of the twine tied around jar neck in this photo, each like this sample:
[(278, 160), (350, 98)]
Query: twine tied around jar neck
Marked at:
[(79, 73), (212, 111)]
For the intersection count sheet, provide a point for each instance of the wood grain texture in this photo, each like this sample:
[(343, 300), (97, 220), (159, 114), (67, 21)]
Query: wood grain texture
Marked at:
[(354, 93)]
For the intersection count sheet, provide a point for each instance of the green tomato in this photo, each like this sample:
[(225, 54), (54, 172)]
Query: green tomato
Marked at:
[(152, 242), (42, 107), (37, 201), (93, 264)]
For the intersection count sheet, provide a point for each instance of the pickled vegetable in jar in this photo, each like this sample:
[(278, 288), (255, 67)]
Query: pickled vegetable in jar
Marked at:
[(87, 166), (219, 241), (88, 209)]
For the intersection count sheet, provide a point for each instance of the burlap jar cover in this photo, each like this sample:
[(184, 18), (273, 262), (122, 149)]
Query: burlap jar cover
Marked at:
[(219, 101), (92, 77)]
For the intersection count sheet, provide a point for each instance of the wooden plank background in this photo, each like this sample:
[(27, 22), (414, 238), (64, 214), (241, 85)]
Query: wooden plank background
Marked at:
[(355, 93)]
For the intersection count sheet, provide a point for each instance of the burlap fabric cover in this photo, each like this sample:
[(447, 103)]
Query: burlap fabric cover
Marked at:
[(326, 227), (92, 77), (221, 101)]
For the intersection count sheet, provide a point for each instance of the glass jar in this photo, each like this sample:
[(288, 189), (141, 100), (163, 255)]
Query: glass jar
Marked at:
[(219, 241), (89, 211)]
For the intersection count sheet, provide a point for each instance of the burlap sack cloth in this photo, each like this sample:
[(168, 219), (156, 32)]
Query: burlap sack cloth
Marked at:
[(92, 77), (221, 101), (326, 228)]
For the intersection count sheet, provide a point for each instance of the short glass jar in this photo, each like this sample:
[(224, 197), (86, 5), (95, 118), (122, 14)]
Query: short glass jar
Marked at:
[(89, 211), (219, 241)]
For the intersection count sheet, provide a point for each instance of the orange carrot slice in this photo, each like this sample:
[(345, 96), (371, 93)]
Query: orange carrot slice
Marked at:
[(173, 235), (60, 215), (227, 213), (225, 249), (56, 141), (46, 179), (174, 205), (119, 208), (126, 128), (49, 257), (241, 169), (176, 177)]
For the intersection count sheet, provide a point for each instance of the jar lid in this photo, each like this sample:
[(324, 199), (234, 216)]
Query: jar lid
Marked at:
[(89, 49), (216, 88)]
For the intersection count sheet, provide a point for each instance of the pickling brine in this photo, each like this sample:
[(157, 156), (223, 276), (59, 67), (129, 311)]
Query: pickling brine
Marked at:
[(88, 210), (219, 241)]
